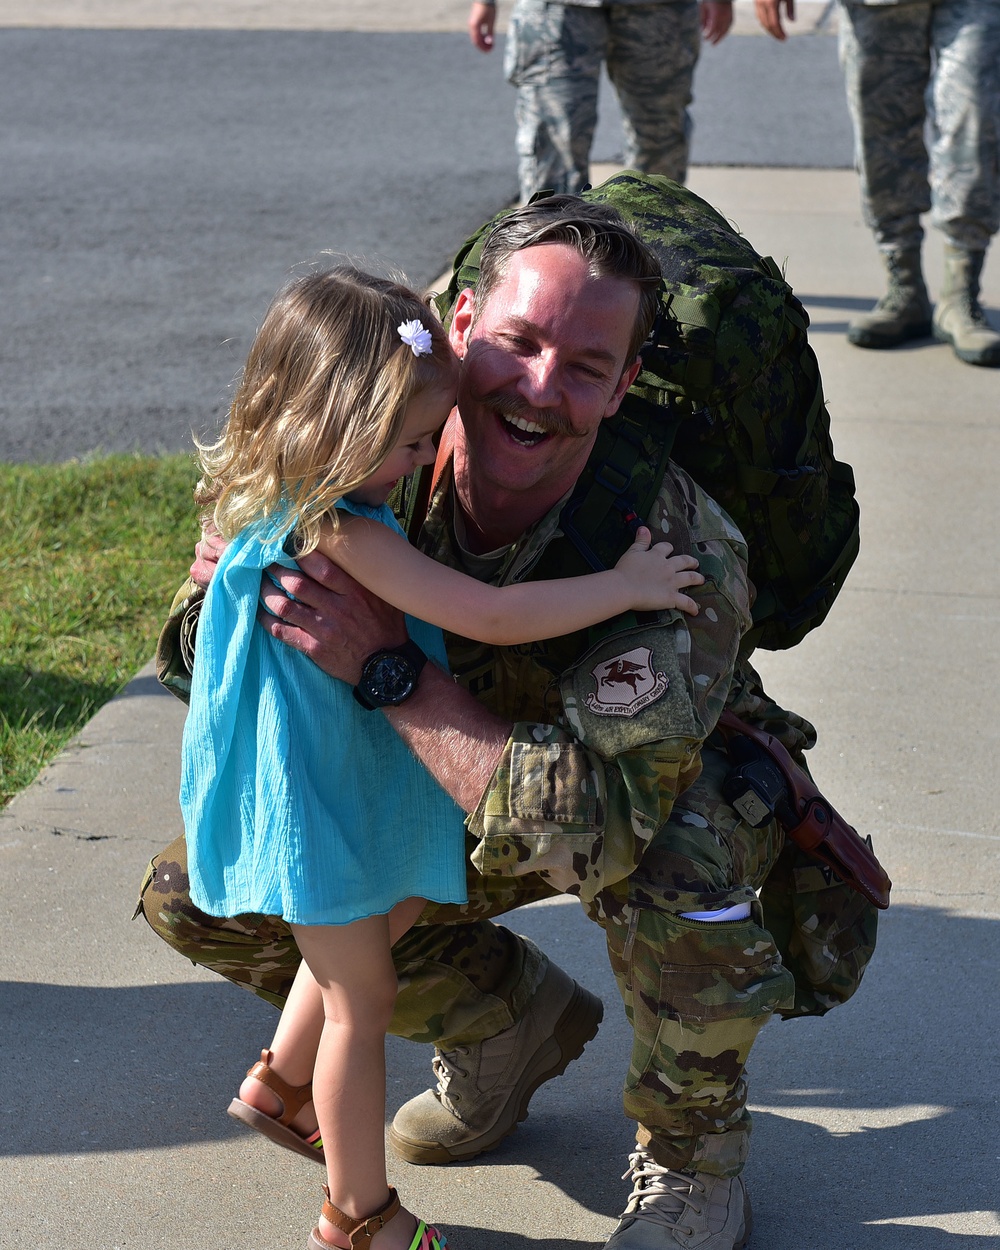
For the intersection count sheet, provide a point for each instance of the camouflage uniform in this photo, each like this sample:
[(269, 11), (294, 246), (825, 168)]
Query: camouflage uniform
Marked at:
[(905, 61), (553, 56), (608, 791)]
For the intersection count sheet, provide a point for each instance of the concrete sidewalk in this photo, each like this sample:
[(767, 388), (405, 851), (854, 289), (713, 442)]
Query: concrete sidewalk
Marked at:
[(876, 1126)]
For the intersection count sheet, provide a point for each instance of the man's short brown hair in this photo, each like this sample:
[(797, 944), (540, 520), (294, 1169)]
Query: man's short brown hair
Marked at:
[(597, 231)]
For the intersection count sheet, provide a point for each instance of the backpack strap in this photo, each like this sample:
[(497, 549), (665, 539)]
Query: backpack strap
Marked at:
[(605, 483), (695, 317), (618, 486)]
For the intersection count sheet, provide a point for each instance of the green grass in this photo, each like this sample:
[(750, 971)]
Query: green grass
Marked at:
[(90, 555)]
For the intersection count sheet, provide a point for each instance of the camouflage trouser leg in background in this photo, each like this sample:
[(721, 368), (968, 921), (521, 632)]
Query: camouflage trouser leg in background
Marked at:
[(965, 122), (695, 993), (652, 52), (553, 57), (903, 63)]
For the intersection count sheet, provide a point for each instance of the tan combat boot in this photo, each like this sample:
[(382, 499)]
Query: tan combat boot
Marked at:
[(483, 1089), (903, 312), (958, 318), (670, 1210)]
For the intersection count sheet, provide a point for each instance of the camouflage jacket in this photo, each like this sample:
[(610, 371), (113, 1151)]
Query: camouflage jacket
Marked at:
[(609, 722)]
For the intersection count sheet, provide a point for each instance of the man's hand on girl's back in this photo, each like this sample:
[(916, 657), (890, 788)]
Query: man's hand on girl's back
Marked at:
[(323, 612), (206, 555)]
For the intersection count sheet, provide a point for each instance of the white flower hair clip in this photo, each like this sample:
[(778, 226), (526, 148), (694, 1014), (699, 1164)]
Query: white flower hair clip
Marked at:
[(416, 336)]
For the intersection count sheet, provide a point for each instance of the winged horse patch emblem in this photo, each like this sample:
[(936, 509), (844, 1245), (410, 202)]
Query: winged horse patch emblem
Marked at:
[(626, 684)]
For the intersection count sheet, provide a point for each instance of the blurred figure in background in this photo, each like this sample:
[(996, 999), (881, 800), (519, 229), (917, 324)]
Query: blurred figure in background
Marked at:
[(553, 57), (907, 63)]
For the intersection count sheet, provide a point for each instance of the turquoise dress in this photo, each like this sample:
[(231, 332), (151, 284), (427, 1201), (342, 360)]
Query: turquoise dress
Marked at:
[(298, 802)]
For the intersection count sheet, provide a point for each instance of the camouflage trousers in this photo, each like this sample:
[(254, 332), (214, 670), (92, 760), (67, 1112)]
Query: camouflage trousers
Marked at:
[(696, 993), (553, 57), (917, 63)]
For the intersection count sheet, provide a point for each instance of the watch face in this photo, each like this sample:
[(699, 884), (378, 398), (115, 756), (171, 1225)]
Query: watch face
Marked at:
[(391, 678)]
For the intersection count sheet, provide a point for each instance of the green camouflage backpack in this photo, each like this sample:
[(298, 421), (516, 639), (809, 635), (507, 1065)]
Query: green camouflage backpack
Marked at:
[(730, 390)]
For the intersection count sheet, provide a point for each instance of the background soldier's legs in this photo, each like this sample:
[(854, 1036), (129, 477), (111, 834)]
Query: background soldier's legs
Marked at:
[(553, 56), (965, 122), (885, 56), (652, 53), (696, 993)]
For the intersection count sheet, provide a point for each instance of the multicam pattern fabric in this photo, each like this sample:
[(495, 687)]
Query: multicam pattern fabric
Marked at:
[(553, 56), (578, 794), (905, 60), (623, 812), (695, 993)]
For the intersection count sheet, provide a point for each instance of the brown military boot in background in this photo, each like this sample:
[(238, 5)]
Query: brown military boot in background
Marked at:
[(958, 318), (903, 312)]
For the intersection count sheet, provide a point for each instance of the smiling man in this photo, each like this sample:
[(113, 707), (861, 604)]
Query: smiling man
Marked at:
[(583, 762), (541, 371)]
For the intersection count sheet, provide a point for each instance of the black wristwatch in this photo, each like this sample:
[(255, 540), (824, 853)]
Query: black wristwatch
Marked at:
[(389, 677)]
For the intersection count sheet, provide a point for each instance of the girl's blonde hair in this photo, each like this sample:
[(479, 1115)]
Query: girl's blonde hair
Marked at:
[(321, 400)]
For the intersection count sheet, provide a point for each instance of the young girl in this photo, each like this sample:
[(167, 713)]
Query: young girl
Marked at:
[(298, 803)]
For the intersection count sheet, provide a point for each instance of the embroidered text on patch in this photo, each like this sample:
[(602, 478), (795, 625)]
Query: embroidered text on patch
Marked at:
[(626, 684)]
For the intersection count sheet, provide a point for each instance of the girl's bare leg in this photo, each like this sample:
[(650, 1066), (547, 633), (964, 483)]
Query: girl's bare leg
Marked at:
[(293, 1050), (352, 965), (296, 1039), (404, 916)]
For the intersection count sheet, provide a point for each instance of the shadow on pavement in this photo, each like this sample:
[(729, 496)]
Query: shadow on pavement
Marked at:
[(874, 1110), (143, 685), (851, 302), (125, 1068)]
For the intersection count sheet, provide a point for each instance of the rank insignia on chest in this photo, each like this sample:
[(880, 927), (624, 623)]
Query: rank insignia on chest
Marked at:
[(626, 684)]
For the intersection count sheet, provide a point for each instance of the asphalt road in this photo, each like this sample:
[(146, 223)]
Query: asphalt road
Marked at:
[(158, 186)]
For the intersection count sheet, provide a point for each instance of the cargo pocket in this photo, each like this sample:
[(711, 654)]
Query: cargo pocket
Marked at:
[(825, 930), (527, 49), (697, 1012), (707, 993)]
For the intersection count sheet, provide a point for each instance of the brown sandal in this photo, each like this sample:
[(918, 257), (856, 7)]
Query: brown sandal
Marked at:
[(277, 1127), (360, 1232)]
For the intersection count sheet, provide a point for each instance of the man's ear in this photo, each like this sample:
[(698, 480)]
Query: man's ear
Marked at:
[(629, 375), (461, 321)]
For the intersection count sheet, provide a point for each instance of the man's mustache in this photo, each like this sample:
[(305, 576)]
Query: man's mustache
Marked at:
[(549, 421)]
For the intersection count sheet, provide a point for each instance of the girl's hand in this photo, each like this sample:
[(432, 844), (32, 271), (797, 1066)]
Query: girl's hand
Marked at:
[(654, 577)]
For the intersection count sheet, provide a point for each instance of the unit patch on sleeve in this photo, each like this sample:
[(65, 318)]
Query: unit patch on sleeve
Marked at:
[(626, 684)]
